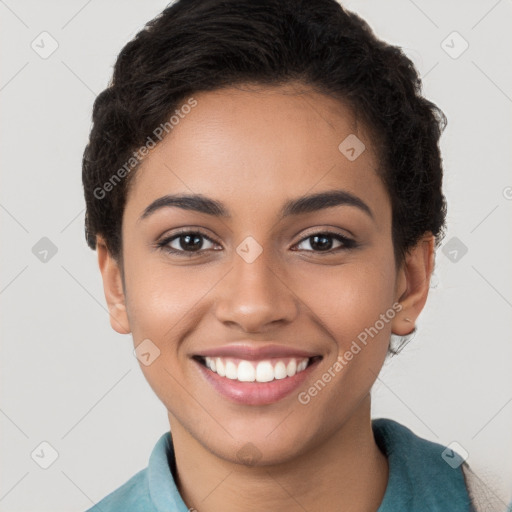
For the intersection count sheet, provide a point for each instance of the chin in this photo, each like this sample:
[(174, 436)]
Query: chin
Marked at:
[(257, 445)]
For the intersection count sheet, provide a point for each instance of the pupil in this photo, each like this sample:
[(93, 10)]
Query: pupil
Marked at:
[(192, 242), (322, 242)]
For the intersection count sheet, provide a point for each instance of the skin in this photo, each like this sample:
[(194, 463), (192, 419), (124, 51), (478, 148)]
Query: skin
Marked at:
[(253, 149)]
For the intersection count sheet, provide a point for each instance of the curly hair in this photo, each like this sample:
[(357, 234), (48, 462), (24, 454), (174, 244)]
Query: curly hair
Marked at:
[(204, 45)]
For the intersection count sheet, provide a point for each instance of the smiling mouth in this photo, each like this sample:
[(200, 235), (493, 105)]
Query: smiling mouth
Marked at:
[(265, 370)]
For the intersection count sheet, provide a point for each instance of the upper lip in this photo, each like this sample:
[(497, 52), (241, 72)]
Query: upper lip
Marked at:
[(251, 352)]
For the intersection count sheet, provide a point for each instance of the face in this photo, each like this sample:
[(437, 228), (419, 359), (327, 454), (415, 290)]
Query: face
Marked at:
[(254, 278)]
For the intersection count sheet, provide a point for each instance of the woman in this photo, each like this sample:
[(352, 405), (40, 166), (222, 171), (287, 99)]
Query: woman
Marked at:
[(263, 187)]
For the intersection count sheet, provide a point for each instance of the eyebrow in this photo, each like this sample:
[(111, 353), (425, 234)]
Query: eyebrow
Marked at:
[(298, 206)]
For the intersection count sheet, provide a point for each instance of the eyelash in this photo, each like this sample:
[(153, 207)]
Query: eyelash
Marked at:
[(348, 243)]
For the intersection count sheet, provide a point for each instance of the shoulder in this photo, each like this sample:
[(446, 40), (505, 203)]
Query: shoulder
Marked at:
[(133, 495), (396, 439), (150, 490), (423, 475)]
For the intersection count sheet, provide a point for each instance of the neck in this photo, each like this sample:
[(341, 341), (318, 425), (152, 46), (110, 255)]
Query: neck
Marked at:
[(347, 472)]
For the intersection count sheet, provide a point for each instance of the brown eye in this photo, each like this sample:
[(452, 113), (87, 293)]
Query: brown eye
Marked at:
[(193, 242), (186, 243), (326, 242)]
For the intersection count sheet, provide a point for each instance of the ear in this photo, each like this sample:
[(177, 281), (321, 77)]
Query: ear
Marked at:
[(413, 283), (113, 287)]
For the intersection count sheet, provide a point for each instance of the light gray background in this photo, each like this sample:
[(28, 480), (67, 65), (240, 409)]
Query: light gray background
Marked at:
[(68, 379)]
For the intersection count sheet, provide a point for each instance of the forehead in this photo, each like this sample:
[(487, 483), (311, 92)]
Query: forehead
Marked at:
[(253, 147)]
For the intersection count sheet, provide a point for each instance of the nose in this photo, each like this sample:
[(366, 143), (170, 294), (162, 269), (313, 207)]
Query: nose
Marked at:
[(255, 296)]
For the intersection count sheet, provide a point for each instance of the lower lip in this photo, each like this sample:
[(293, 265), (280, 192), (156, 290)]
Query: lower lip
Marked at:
[(255, 393)]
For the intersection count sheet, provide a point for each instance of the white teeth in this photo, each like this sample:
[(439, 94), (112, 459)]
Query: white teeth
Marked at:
[(301, 366), (280, 370), (291, 369), (264, 371), (251, 371), (246, 372), (231, 370), (220, 367)]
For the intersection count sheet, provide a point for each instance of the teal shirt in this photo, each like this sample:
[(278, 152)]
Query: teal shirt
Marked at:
[(420, 480)]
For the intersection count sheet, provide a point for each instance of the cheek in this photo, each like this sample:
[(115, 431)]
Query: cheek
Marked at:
[(348, 299), (165, 305), (347, 303), (163, 299)]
